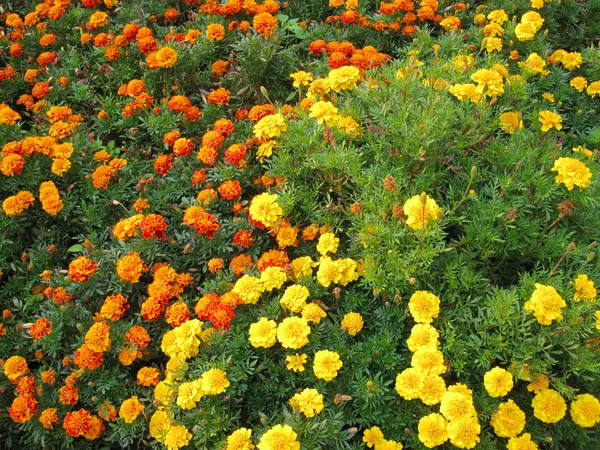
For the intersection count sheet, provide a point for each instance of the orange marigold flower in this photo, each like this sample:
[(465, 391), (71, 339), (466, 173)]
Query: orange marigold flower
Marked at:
[(77, 423), (163, 164), (86, 358), (215, 265), (264, 24), (81, 269), (48, 376), (130, 409), (130, 267), (16, 204), (243, 239), (199, 176), (48, 418), (272, 258), (201, 221), (26, 386), (98, 337), (183, 147), (224, 127), (166, 57), (46, 58), (241, 263), (107, 411), (260, 111), (128, 355), (230, 190), (148, 376), (68, 395), (179, 103), (101, 176), (41, 328), (215, 32), (170, 137), (97, 427), (153, 225), (14, 368), (50, 198), (138, 337), (12, 165), (141, 204), (97, 20), (219, 68), (23, 409), (114, 307), (235, 154), (126, 228), (177, 314), (220, 96)]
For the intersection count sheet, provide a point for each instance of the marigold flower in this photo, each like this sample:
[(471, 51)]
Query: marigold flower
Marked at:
[(296, 362), (81, 269), (279, 437), (130, 409), (215, 32), (98, 337), (549, 406), (220, 96), (270, 126), (240, 440), (433, 430), (548, 119), (264, 208), (15, 367), (327, 364), (572, 172), (214, 381), (584, 289), (263, 333), (420, 210), (264, 24), (409, 383), (41, 328), (352, 323), (23, 408), (498, 382), (48, 418), (546, 304), (424, 306), (130, 267)]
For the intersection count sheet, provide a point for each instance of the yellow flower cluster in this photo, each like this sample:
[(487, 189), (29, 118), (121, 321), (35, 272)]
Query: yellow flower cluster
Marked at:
[(375, 439), (309, 402)]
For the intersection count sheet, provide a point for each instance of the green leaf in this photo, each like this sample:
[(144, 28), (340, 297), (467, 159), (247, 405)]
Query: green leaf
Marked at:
[(75, 248)]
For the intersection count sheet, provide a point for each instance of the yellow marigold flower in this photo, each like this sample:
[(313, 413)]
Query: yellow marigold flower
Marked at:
[(493, 43), (584, 151), (263, 333), (15, 367), (265, 209), (489, 82), (240, 440), (509, 420), (372, 436), (433, 390), (464, 433), (462, 62), (461, 389), (498, 16), (465, 91), (326, 364), (296, 362), (549, 97), (301, 78), (585, 411), (189, 393), (313, 313), (160, 422), (265, 150), (343, 78), (130, 409), (549, 406), (329, 271), (270, 126), (539, 383), (456, 405), (420, 210), (272, 278), (422, 335), (523, 442), (98, 337), (597, 316), (548, 119), (572, 172), (432, 430), (546, 304), (280, 437), (178, 436), (511, 121), (214, 381), (593, 89), (571, 60), (534, 64), (424, 306), (249, 289), (328, 242), (409, 383), (323, 111), (386, 444), (309, 402), (294, 297), (302, 267), (318, 88), (429, 360), (293, 332), (498, 382), (352, 323), (584, 289), (166, 57), (164, 393)]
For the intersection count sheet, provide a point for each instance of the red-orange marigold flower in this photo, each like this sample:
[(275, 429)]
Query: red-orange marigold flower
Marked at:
[(82, 268)]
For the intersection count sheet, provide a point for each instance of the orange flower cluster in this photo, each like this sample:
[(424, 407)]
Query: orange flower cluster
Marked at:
[(81, 269), (113, 308), (230, 190), (182, 104), (103, 174), (345, 54), (220, 96), (272, 258), (151, 225), (201, 221), (41, 328), (50, 198), (83, 423), (219, 310), (213, 140), (264, 24), (166, 285), (16, 204), (59, 295), (177, 313)]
